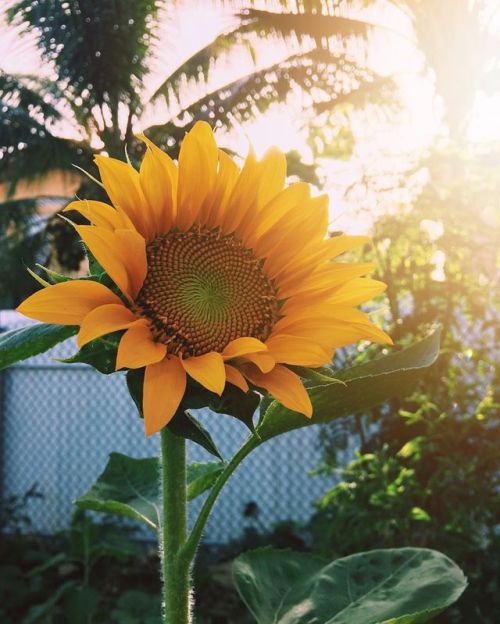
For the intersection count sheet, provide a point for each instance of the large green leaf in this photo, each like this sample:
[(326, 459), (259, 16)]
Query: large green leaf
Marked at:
[(19, 344), (365, 386), (391, 586), (127, 487), (130, 487), (263, 577)]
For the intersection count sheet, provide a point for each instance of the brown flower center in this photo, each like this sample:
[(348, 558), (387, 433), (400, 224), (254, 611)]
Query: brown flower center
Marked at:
[(204, 289)]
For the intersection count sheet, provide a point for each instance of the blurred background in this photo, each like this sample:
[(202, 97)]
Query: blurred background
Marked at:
[(392, 107)]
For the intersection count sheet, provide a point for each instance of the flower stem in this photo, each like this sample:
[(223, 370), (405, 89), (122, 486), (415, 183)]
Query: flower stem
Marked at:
[(175, 567), (190, 546)]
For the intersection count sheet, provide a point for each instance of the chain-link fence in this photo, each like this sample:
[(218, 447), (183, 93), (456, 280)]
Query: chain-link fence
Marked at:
[(60, 422)]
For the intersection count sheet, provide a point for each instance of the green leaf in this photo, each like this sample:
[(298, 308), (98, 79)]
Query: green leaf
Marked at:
[(264, 576), (130, 487), (365, 386), (137, 607), (391, 586), (201, 477), (37, 613), (80, 604), (127, 487), (19, 344), (183, 424), (46, 565), (100, 353)]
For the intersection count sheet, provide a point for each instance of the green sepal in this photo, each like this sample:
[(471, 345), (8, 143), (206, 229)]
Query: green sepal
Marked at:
[(57, 278), (386, 586), (131, 487), (363, 387), (38, 278), (19, 344), (233, 402), (183, 424), (100, 353)]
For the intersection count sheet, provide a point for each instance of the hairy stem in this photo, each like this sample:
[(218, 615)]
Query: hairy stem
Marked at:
[(190, 546), (175, 567)]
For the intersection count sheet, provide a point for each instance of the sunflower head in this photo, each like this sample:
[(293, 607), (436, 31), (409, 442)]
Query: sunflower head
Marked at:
[(219, 274)]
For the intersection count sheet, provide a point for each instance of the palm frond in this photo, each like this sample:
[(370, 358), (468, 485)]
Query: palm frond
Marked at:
[(197, 66), (29, 93), (372, 90), (28, 150), (21, 244), (322, 74), (98, 49), (316, 26), (309, 29)]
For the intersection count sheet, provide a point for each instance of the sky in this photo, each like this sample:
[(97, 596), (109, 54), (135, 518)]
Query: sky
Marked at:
[(411, 131)]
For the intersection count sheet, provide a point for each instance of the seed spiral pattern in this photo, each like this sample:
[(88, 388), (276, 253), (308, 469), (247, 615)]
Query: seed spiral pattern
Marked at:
[(204, 289)]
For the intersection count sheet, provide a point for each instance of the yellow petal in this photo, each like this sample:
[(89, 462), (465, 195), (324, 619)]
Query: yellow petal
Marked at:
[(301, 227), (306, 223), (244, 194), (158, 178), (123, 187), (207, 370), (285, 386), (315, 254), (289, 349), (137, 348), (324, 280), (104, 320), (273, 168), (242, 346), (198, 159), (67, 303), (333, 333), (350, 293), (356, 291), (276, 209), (164, 387), (121, 253), (270, 178), (264, 361), (215, 206), (98, 213), (234, 377)]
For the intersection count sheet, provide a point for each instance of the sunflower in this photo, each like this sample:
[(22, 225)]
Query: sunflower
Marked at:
[(220, 274)]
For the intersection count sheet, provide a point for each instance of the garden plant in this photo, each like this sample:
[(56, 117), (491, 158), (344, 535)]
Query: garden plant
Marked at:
[(215, 287)]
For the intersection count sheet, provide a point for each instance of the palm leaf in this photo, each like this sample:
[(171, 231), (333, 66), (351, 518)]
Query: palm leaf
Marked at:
[(197, 66), (29, 151), (29, 93), (303, 25), (253, 93), (22, 243), (98, 49)]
